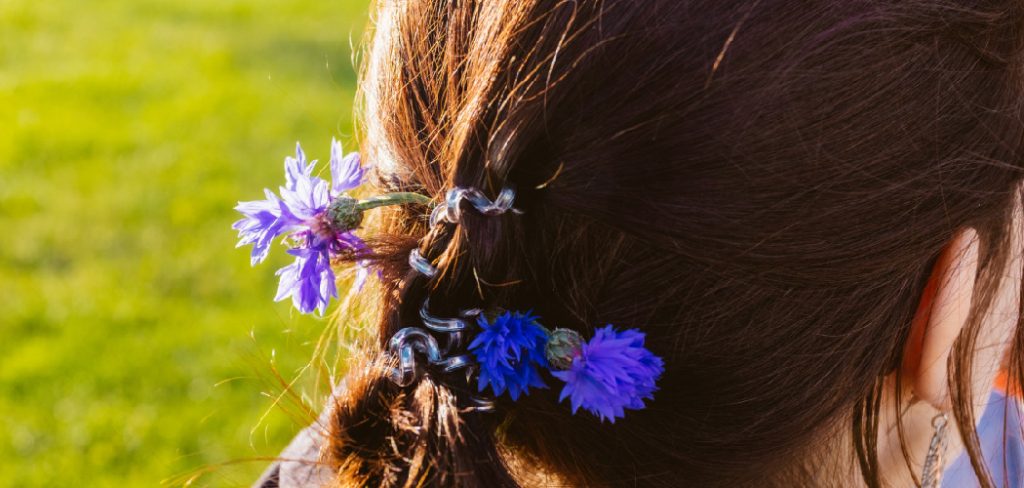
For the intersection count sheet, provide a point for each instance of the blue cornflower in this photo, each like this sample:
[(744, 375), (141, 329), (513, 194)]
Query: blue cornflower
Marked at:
[(510, 349), (308, 212), (610, 373)]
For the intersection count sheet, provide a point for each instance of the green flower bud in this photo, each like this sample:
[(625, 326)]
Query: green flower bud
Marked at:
[(563, 345), (344, 214)]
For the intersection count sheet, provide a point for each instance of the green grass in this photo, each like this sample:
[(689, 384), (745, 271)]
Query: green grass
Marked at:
[(128, 131)]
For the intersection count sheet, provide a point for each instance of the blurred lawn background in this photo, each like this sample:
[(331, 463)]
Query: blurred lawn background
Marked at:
[(128, 131)]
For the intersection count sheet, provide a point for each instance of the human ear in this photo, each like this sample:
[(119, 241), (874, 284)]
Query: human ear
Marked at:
[(941, 316)]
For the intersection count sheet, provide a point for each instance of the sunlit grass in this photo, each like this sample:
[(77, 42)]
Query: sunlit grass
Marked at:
[(128, 131)]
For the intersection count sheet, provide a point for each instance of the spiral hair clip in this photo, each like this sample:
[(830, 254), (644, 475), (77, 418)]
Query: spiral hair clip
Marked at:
[(454, 327), (410, 341), (451, 211), (420, 264)]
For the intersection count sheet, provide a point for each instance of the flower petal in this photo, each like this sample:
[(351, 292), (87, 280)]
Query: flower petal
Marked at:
[(309, 281), (296, 168), (262, 222), (308, 197), (346, 171)]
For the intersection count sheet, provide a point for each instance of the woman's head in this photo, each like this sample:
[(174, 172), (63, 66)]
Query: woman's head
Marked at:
[(763, 187)]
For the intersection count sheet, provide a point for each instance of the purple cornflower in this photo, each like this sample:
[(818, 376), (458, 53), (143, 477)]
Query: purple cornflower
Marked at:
[(610, 373), (509, 349), (318, 219)]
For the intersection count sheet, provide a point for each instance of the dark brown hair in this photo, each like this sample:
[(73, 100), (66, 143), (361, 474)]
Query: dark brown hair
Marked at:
[(761, 186)]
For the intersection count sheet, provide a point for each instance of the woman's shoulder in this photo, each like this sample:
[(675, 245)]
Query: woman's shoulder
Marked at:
[(1002, 444), (299, 464)]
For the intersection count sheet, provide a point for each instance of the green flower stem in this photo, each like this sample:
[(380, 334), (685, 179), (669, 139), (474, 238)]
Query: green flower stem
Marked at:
[(397, 198)]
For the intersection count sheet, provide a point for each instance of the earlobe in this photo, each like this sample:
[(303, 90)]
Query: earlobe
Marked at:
[(941, 315)]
